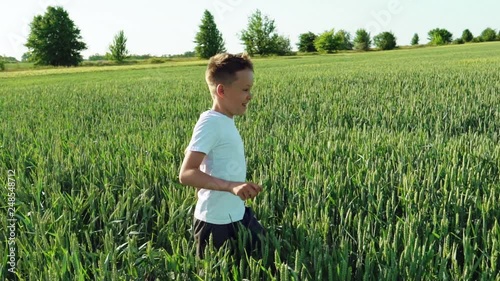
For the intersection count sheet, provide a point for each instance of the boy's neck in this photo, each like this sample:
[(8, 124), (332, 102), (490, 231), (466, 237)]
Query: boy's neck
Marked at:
[(217, 108)]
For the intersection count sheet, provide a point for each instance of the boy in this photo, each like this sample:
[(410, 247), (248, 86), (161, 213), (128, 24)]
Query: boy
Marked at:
[(214, 162)]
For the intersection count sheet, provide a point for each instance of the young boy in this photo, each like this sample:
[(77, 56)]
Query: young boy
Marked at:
[(214, 162)]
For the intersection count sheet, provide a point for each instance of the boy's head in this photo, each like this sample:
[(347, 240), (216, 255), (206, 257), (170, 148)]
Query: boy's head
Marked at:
[(230, 79)]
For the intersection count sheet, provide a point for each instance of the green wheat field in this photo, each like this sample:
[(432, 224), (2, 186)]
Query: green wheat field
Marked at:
[(375, 166)]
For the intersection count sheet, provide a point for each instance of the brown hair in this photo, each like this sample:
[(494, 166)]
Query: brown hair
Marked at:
[(222, 68)]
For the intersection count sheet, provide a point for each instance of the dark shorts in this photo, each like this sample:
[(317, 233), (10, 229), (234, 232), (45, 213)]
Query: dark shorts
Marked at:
[(221, 233)]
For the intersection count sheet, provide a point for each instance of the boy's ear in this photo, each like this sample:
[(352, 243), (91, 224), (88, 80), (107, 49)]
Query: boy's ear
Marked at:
[(219, 90)]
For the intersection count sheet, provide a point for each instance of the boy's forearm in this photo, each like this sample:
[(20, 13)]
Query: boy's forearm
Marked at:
[(199, 179)]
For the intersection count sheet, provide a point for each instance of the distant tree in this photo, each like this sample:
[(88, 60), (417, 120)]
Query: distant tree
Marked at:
[(209, 41), (362, 40), (477, 39), (118, 49), (458, 41), (187, 54), (488, 35), (498, 36), (415, 40), (326, 42), (306, 42), (385, 41), (97, 57), (2, 64), (140, 57), (260, 36), (54, 39), (467, 36), (26, 57), (438, 40), (281, 45), (440, 36), (344, 40), (9, 59)]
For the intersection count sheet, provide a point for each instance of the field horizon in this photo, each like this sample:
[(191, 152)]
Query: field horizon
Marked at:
[(43, 70)]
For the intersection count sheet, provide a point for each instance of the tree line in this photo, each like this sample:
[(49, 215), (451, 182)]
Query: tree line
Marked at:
[(55, 40)]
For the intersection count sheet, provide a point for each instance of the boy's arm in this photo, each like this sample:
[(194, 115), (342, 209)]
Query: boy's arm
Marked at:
[(190, 174)]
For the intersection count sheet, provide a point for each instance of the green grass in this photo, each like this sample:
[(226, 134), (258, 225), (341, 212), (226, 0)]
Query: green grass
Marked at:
[(18, 66), (376, 166)]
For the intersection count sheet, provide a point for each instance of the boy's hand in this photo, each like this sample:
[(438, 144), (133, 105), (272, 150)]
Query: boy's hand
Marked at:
[(246, 190)]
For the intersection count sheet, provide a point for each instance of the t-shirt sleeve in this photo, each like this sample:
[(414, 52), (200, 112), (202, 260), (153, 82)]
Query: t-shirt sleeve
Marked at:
[(204, 136)]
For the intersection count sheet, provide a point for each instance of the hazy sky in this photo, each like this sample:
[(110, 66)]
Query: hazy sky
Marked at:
[(160, 27)]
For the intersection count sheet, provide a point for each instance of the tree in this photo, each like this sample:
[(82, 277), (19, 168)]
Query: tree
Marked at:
[(415, 40), (489, 35), (362, 40), (306, 42), (2, 64), (467, 36), (97, 57), (260, 34), (344, 40), (498, 36), (209, 41), (281, 45), (326, 42), (9, 59), (385, 41), (54, 39), (440, 36), (26, 57), (118, 49), (437, 40), (477, 39)]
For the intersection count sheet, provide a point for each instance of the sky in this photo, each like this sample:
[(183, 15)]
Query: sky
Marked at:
[(161, 27)]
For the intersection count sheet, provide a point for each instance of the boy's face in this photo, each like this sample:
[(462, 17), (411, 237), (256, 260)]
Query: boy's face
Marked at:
[(236, 95)]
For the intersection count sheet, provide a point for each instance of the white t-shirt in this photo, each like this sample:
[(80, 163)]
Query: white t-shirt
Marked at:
[(216, 135)]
